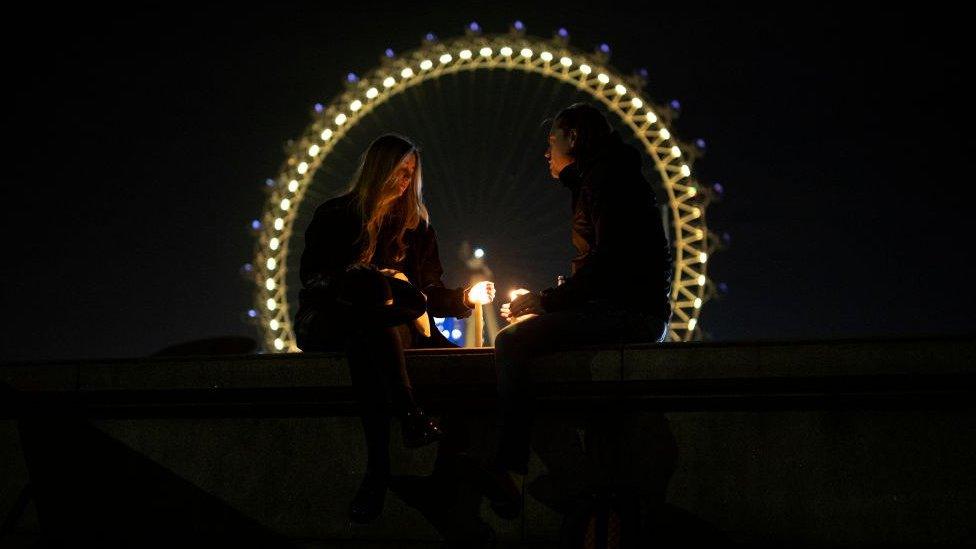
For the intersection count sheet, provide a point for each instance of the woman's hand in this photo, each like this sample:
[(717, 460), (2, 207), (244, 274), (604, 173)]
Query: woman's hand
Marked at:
[(395, 274), (482, 292)]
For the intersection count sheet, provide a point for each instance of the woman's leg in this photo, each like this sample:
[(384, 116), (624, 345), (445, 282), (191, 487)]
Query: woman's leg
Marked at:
[(378, 372), (379, 378), (382, 388)]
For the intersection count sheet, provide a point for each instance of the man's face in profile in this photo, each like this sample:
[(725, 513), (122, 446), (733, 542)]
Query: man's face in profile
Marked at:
[(558, 152)]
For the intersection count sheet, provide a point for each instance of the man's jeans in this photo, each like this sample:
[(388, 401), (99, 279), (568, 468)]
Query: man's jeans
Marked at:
[(519, 344)]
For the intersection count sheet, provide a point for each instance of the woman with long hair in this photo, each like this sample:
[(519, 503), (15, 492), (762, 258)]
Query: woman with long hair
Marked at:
[(371, 278)]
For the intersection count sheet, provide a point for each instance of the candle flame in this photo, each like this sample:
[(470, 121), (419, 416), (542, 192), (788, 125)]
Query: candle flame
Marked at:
[(479, 293)]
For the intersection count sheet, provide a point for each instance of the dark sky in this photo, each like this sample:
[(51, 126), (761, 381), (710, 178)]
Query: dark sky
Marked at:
[(138, 143)]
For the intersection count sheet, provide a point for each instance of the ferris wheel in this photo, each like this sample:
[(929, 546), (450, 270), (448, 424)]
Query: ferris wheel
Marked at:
[(514, 52)]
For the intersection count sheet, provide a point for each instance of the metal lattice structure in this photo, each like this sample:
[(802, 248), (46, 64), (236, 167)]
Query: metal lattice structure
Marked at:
[(515, 51)]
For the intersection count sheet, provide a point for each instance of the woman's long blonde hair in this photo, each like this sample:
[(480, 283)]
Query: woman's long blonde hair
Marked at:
[(377, 199)]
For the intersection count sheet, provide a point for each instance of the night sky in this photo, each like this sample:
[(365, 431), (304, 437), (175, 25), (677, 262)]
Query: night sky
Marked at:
[(139, 142)]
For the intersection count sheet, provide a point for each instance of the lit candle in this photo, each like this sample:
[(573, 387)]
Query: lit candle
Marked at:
[(479, 325), (480, 295)]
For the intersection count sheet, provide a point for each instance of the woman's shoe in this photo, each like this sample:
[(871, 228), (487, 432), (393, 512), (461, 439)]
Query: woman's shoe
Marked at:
[(419, 430), (504, 494), (368, 502)]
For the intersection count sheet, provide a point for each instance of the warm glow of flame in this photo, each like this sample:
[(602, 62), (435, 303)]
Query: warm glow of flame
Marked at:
[(479, 293), (515, 293)]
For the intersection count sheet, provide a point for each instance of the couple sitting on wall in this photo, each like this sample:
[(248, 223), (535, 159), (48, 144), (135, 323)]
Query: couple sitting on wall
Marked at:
[(371, 279)]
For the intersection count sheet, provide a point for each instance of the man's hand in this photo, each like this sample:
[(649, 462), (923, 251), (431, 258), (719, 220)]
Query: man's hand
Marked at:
[(524, 304), (527, 304), (506, 311)]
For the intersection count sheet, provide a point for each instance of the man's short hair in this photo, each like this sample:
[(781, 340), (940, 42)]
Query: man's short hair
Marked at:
[(590, 125)]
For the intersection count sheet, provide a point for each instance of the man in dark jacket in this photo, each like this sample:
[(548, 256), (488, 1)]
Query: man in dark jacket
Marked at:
[(620, 286)]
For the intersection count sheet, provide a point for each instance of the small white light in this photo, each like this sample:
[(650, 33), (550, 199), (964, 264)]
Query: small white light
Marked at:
[(603, 78), (485, 52), (506, 51), (465, 54), (585, 69), (637, 103), (292, 185), (269, 284), (455, 333), (620, 89), (372, 93), (326, 135), (406, 73), (651, 117), (665, 134), (692, 191), (696, 212), (279, 344), (526, 53), (314, 150), (701, 280), (355, 105), (479, 253), (703, 257), (676, 152), (685, 170), (426, 65), (446, 58), (302, 167), (340, 119), (546, 56), (692, 323), (274, 324), (274, 243), (388, 82), (279, 224), (446, 334), (285, 204), (272, 264), (271, 304), (566, 62)]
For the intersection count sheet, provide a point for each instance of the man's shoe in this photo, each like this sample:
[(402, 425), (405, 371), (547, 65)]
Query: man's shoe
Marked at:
[(368, 502), (419, 430)]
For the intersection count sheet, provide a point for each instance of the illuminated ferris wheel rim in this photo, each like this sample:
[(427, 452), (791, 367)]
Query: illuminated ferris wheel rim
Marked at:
[(513, 51)]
